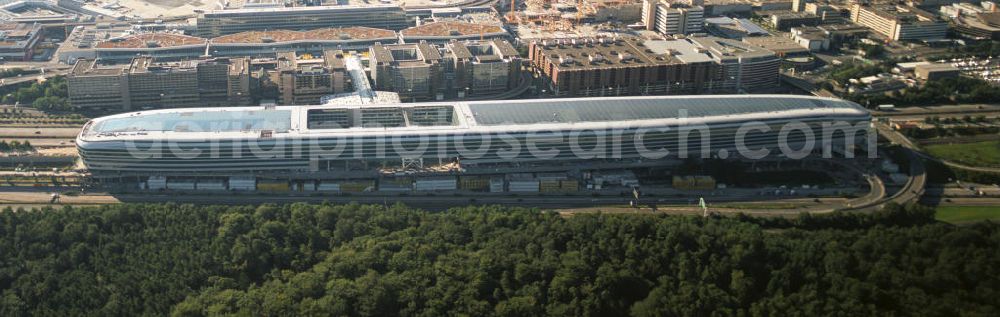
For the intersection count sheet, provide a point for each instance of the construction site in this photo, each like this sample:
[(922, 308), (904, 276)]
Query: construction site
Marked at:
[(563, 15)]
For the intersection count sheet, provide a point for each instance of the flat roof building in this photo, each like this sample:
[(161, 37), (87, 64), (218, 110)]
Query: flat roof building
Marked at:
[(743, 67), (270, 43), (781, 46), (935, 71), (18, 40), (900, 23), (222, 22), (734, 28), (786, 20), (304, 80), (83, 39), (297, 142), (600, 67), (481, 68), (145, 83), (614, 67), (445, 31), (672, 17), (415, 71), (981, 25), (162, 46)]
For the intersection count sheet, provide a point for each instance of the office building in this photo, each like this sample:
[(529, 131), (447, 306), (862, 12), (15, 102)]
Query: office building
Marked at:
[(270, 43), (145, 83), (799, 5), (613, 67), (481, 68), (900, 23), (304, 80), (786, 20), (601, 67), (445, 31), (743, 67), (223, 22), (18, 40), (162, 46), (976, 22), (415, 71), (672, 18), (935, 71)]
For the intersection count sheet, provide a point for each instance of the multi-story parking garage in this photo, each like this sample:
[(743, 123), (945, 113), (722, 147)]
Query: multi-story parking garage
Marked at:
[(312, 143)]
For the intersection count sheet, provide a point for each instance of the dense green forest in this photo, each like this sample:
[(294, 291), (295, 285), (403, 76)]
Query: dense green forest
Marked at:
[(372, 260)]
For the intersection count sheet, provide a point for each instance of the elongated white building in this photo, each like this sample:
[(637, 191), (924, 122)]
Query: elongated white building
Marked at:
[(312, 140)]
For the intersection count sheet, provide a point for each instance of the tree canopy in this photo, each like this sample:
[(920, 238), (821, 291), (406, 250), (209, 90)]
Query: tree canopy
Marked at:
[(48, 95), (373, 260)]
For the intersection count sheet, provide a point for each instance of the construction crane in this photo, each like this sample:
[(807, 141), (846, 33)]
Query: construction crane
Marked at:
[(579, 8), (513, 12)]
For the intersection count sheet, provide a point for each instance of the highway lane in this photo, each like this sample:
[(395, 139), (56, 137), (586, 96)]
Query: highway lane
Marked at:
[(914, 187), (31, 132), (32, 77), (43, 142), (942, 110), (748, 203)]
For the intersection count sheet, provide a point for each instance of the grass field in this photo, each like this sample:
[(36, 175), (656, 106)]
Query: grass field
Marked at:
[(975, 154), (964, 214)]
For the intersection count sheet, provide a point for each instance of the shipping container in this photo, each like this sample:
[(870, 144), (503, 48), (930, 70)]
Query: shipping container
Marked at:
[(436, 183), (497, 185), (211, 184), (156, 183), (569, 185), (357, 186), (309, 186), (243, 183), (273, 186), (180, 184), (522, 185), (551, 176), (474, 183), (328, 186), (693, 182)]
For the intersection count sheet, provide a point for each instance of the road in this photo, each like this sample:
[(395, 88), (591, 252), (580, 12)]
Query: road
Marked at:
[(919, 113), (30, 132), (914, 187), (32, 77), (12, 197), (42, 143)]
